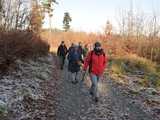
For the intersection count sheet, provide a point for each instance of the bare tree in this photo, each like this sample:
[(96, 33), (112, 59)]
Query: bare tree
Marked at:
[(122, 20), (18, 14), (14, 13), (108, 28), (154, 27), (1, 12)]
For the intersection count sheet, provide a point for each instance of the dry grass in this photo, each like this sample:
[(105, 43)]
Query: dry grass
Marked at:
[(145, 47), (118, 45), (133, 64), (55, 38)]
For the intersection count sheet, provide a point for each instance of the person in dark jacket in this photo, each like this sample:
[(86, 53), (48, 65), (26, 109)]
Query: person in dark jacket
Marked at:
[(96, 61), (71, 47), (75, 60), (80, 48), (61, 52)]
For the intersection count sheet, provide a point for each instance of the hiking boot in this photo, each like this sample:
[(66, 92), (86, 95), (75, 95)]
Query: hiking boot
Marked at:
[(96, 99), (91, 93), (61, 68)]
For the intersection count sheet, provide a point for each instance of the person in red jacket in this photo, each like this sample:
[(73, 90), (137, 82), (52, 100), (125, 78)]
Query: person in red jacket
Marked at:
[(96, 62)]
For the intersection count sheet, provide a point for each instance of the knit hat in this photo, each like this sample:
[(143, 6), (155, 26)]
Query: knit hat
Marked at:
[(97, 44)]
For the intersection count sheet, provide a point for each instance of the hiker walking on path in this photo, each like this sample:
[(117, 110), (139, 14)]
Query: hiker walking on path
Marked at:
[(96, 61), (61, 52), (80, 48), (75, 61), (71, 47)]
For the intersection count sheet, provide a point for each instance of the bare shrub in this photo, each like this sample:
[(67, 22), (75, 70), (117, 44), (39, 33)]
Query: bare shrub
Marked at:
[(20, 45)]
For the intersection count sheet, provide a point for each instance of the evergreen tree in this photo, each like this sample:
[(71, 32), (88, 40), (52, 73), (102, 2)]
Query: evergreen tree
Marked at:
[(66, 21)]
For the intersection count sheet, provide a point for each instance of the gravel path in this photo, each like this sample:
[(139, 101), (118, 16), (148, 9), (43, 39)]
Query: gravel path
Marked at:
[(73, 102), (38, 90)]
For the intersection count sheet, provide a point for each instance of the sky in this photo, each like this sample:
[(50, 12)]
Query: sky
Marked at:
[(91, 15)]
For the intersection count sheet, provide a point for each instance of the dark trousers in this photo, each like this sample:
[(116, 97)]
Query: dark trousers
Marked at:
[(62, 61)]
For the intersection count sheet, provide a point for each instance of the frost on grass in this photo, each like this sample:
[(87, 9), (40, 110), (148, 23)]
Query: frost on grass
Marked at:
[(21, 93)]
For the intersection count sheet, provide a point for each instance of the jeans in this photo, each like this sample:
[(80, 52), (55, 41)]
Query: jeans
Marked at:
[(73, 77), (94, 86)]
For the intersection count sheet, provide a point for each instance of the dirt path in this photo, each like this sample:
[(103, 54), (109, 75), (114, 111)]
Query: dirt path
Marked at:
[(38, 90), (75, 103), (72, 102)]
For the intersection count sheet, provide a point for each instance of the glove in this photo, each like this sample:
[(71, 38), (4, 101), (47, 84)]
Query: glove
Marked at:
[(79, 63), (84, 69)]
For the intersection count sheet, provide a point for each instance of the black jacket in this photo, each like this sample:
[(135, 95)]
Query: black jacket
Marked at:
[(62, 50)]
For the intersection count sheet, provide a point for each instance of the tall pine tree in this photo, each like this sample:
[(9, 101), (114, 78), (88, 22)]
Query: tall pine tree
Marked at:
[(66, 21)]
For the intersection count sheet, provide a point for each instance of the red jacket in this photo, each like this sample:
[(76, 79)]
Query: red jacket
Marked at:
[(98, 63)]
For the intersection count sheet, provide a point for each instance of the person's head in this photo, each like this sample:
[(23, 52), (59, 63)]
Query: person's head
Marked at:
[(80, 44), (62, 43), (86, 46), (97, 47), (72, 45)]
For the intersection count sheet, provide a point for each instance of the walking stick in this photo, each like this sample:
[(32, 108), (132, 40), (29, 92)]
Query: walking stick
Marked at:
[(83, 76)]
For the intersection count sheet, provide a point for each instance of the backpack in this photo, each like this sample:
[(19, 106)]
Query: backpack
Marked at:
[(90, 62), (74, 56)]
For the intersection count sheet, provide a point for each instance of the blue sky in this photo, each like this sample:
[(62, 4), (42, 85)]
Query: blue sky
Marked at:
[(91, 15)]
